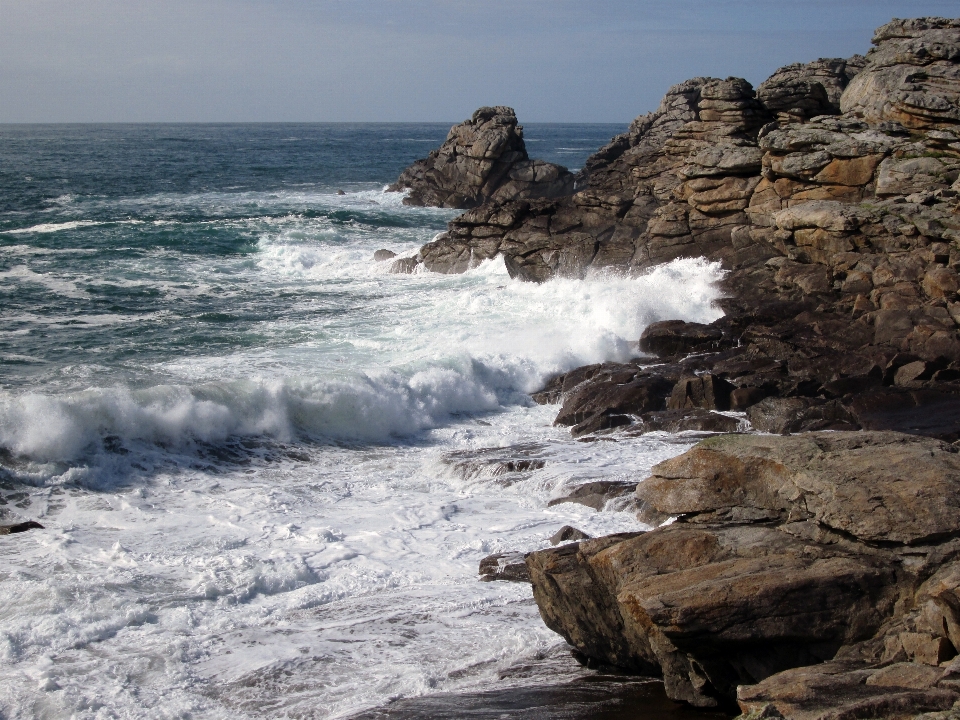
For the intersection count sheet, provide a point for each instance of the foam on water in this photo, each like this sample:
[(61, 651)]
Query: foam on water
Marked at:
[(312, 587), (426, 349), (235, 428)]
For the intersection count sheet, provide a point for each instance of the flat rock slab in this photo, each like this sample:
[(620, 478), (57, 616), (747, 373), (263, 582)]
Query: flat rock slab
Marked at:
[(879, 487), (835, 690)]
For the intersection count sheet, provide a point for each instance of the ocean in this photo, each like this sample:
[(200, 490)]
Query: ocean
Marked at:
[(241, 433)]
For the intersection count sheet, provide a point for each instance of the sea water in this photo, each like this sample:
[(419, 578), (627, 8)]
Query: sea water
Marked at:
[(234, 425)]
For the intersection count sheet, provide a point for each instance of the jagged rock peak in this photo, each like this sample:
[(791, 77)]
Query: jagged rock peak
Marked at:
[(482, 157), (701, 99)]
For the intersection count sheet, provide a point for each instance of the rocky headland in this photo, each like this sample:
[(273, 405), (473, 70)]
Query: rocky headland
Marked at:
[(813, 572)]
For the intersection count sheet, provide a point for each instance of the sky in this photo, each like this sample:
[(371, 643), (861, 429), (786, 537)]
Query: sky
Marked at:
[(403, 60)]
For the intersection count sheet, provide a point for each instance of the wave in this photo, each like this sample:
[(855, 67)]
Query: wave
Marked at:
[(443, 347), (368, 407), (55, 227)]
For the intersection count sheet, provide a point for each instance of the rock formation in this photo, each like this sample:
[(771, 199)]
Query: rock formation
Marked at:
[(483, 158), (786, 552), (840, 234), (806, 576)]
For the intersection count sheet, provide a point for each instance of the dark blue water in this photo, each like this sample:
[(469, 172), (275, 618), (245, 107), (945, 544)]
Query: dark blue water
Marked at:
[(40, 164)]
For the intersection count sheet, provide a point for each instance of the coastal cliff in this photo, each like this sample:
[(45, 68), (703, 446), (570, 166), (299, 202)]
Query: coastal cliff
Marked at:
[(808, 575)]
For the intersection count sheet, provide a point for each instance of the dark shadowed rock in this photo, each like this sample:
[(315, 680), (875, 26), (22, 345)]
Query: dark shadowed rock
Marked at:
[(599, 697), (614, 393), (796, 414), (509, 566), (704, 391), (930, 412), (676, 337), (381, 255), (20, 527), (801, 91), (676, 421), (568, 533)]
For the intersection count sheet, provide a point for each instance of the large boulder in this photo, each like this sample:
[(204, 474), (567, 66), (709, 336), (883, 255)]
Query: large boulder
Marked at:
[(801, 91), (912, 77), (482, 157), (676, 337), (786, 552)]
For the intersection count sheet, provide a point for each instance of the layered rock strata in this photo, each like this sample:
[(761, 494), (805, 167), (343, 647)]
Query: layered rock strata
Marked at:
[(840, 234), (786, 552), (804, 576)]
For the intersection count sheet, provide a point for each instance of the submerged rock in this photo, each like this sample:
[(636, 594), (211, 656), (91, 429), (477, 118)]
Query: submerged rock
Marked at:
[(509, 566), (502, 464), (595, 494), (20, 527), (568, 533)]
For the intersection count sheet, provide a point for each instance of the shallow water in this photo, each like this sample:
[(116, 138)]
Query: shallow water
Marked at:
[(234, 425)]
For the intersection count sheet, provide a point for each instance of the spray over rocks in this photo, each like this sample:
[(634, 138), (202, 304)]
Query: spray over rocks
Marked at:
[(807, 574)]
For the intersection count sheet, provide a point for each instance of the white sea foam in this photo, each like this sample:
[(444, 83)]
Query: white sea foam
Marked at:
[(307, 588), (52, 282), (439, 347), (273, 530), (54, 227)]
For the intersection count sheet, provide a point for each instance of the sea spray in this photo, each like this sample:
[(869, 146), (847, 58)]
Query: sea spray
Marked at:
[(438, 348), (236, 427)]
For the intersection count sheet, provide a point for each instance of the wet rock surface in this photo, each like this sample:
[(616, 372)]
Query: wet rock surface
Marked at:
[(596, 494), (602, 697), (503, 463), (20, 527), (509, 566)]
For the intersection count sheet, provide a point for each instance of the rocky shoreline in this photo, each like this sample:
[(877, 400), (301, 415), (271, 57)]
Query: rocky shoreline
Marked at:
[(814, 572)]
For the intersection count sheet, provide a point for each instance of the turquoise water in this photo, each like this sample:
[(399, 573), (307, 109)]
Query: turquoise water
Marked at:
[(234, 425), (123, 246)]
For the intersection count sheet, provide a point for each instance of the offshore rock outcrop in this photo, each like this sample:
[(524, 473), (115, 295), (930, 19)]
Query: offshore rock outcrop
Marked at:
[(483, 158), (786, 552)]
